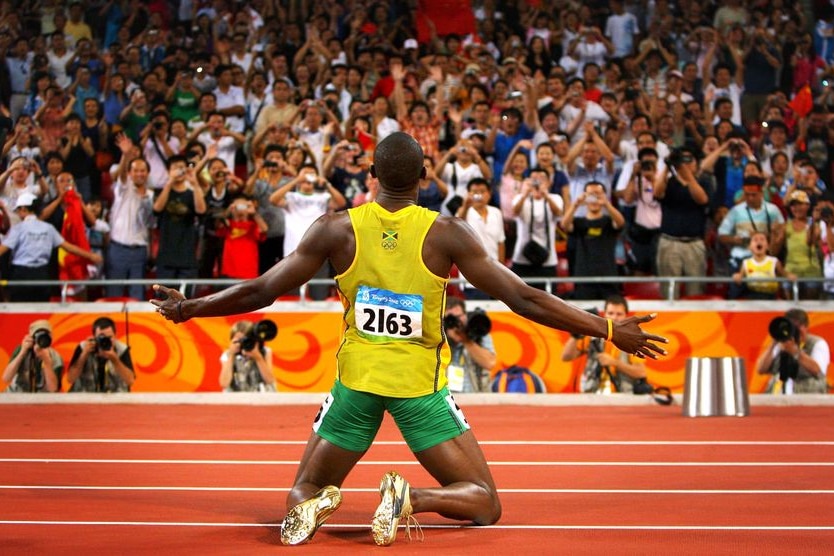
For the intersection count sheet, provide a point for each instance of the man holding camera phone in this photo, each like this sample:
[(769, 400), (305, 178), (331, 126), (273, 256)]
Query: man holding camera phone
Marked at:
[(176, 207), (101, 363), (797, 359), (35, 366)]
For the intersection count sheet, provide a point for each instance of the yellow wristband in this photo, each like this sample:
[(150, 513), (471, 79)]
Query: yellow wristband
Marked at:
[(610, 329)]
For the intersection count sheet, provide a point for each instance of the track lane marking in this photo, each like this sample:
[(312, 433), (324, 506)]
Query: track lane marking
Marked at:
[(411, 463), (376, 490), (401, 443), (822, 528)]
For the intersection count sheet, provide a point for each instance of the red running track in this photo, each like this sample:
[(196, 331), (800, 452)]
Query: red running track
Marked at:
[(183, 479)]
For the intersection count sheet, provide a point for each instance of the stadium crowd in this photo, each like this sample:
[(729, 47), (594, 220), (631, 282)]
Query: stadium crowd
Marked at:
[(184, 139)]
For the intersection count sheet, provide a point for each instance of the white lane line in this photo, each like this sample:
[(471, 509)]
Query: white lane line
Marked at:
[(376, 490), (401, 443), (403, 463), (505, 527)]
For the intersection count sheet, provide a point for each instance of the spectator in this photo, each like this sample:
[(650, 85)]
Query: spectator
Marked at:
[(535, 211), (346, 167), (801, 253), (752, 215), (266, 180), (176, 208), (808, 354), (78, 154), (158, 146), (35, 366), (102, 362), (14, 182), (457, 168), (215, 135), (432, 190), (19, 64), (487, 223), (31, 242), (595, 234), (607, 369), (183, 97), (644, 231), (231, 101), (760, 265), (245, 368), (130, 221), (303, 200), (472, 357), (681, 250), (245, 230)]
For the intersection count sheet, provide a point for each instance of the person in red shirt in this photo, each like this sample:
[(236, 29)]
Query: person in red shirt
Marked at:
[(245, 230)]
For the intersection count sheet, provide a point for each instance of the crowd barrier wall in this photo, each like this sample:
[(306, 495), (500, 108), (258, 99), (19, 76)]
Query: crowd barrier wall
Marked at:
[(185, 357)]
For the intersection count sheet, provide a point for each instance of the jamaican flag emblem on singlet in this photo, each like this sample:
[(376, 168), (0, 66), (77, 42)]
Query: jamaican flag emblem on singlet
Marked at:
[(389, 240)]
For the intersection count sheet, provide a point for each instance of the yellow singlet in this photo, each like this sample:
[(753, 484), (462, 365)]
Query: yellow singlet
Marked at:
[(392, 342)]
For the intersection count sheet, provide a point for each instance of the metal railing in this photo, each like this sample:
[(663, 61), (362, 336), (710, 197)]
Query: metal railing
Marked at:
[(670, 284)]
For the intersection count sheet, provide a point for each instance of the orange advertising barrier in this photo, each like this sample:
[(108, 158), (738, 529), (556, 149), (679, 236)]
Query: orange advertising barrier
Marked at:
[(186, 357)]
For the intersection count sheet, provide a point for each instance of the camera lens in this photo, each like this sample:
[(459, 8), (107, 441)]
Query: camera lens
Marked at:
[(104, 343)]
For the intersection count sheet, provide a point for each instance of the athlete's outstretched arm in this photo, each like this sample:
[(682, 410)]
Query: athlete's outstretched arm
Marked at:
[(289, 273), (463, 247)]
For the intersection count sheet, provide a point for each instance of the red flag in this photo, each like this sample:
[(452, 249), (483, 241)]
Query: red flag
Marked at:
[(73, 267), (802, 102)]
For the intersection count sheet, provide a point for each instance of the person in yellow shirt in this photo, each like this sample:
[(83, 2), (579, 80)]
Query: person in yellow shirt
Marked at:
[(607, 368), (393, 259)]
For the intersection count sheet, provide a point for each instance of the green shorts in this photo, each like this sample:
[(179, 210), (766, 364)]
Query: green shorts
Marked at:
[(350, 419)]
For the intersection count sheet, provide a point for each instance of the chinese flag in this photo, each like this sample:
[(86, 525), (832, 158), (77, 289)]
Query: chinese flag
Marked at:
[(73, 267), (448, 16), (802, 102)]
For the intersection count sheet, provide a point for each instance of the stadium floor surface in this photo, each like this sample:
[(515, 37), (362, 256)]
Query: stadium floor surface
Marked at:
[(212, 478)]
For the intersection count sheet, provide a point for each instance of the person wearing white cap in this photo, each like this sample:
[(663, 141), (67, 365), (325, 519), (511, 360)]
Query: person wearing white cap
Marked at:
[(31, 242), (27, 368)]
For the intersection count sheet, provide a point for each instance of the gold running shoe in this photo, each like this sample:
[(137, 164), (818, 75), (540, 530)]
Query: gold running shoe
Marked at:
[(394, 506), (304, 519)]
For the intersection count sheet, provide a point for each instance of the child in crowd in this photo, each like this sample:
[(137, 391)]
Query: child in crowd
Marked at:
[(245, 231), (760, 265), (98, 234)]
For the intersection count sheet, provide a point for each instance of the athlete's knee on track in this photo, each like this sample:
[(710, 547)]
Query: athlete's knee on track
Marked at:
[(491, 511)]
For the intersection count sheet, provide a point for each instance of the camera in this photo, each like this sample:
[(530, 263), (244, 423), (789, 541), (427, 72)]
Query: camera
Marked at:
[(477, 326), (782, 329), (104, 343), (647, 165), (311, 178), (261, 332), (241, 206), (631, 94), (826, 213), (270, 164), (42, 338), (677, 158), (158, 124)]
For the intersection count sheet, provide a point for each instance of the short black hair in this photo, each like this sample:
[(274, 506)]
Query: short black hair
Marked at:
[(616, 299), (174, 159), (102, 323), (398, 162), (476, 181)]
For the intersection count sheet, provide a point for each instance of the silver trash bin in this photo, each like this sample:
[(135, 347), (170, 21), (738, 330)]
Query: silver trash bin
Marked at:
[(715, 386)]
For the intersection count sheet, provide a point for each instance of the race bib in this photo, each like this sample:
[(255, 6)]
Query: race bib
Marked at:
[(383, 314)]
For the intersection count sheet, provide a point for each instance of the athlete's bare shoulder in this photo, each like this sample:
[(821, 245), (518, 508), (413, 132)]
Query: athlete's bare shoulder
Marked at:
[(450, 240), (332, 236)]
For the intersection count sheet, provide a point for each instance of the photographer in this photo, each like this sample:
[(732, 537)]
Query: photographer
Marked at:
[(35, 366), (607, 369), (798, 360), (101, 363), (473, 352), (246, 366)]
